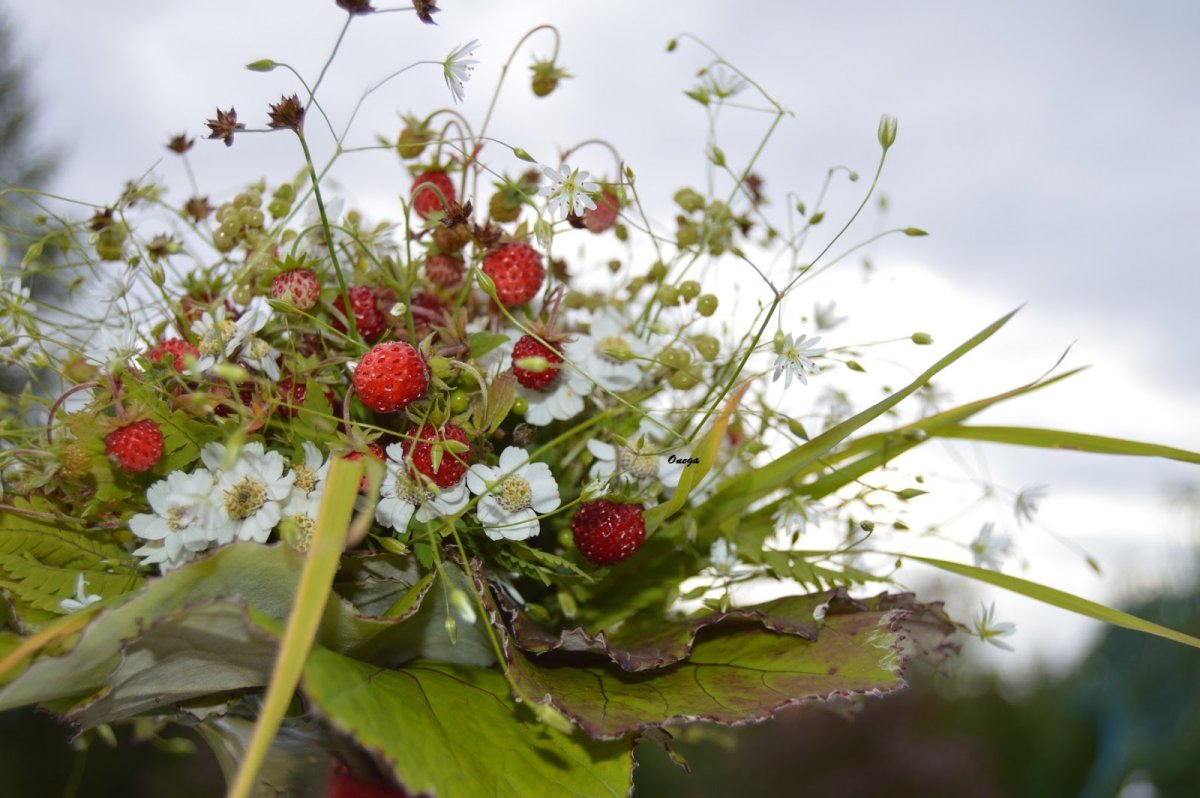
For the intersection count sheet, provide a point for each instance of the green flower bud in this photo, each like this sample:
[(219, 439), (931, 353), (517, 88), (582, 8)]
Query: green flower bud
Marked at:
[(689, 200), (922, 339), (887, 131)]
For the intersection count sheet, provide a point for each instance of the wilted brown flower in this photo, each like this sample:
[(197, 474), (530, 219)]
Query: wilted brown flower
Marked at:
[(457, 214), (425, 10), (287, 114), (224, 126), (161, 246), (486, 236), (180, 144), (754, 184), (198, 208), (355, 6), (101, 220)]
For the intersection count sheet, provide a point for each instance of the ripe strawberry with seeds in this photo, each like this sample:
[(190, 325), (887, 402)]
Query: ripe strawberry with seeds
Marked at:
[(607, 532), (368, 319), (425, 201), (516, 270), (454, 458), (529, 347), (174, 348), (298, 287), (135, 447), (390, 377)]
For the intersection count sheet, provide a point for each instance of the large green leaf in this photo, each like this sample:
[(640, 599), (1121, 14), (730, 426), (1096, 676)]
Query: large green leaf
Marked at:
[(202, 651), (740, 672), (453, 731), (263, 577)]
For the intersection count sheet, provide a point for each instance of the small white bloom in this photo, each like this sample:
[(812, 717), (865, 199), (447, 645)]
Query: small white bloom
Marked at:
[(252, 490), (569, 191), (791, 519), (988, 548), (825, 316), (608, 355), (986, 629), (513, 494), (186, 519), (640, 461), (796, 359), (457, 68), (401, 497), (560, 401), (82, 597), (308, 482), (1026, 504), (723, 556)]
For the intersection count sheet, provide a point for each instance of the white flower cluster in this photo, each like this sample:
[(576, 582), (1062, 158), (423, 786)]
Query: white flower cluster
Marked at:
[(244, 499)]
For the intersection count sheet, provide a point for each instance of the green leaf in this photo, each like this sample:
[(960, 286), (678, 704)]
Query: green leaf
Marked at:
[(454, 731), (1072, 441), (1058, 598), (206, 650), (480, 343), (745, 673)]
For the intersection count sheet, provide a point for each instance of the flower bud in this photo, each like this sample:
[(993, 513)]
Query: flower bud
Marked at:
[(887, 131), (922, 339)]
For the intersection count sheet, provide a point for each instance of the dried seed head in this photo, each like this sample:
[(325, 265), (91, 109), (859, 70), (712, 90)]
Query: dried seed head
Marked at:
[(355, 6), (287, 114), (224, 126), (425, 10), (180, 144)]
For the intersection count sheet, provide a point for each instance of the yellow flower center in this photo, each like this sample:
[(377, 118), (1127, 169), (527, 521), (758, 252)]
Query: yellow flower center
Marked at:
[(245, 498), (514, 494), (306, 478), (613, 348)]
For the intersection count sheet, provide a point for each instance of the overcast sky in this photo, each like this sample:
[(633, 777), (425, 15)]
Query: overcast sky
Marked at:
[(1050, 151)]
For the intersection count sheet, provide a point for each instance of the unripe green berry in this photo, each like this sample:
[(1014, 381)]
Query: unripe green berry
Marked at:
[(708, 346), (222, 241), (278, 208), (689, 200), (684, 379), (460, 400), (689, 290), (251, 217), (242, 294), (658, 270), (706, 305), (687, 235), (232, 225), (675, 358), (668, 295), (519, 405)]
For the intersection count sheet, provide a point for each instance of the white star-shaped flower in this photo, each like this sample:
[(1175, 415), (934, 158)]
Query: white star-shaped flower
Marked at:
[(512, 495), (989, 548), (186, 519), (569, 191), (986, 629), (457, 68), (796, 359), (82, 597)]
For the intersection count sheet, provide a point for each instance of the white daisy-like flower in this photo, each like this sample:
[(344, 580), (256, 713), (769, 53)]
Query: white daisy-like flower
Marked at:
[(608, 355), (82, 597), (796, 359), (401, 497), (308, 481), (186, 519), (569, 191), (457, 68), (989, 548), (512, 495), (640, 461), (252, 490), (218, 336), (723, 556), (261, 356), (561, 400), (984, 627)]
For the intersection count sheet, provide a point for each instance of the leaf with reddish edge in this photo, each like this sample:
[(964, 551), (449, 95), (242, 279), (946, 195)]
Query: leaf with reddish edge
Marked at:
[(739, 672)]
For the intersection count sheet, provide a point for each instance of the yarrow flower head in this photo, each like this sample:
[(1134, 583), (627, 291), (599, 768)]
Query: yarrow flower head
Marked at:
[(569, 191), (984, 626), (458, 66), (512, 495), (795, 359)]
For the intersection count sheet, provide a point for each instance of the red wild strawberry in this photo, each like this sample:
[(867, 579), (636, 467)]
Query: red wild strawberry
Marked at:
[(292, 393), (390, 377), (602, 218), (376, 451), (426, 201), (298, 287), (418, 450), (528, 346), (174, 348), (344, 784), (606, 533), (444, 270), (516, 269), (368, 319), (135, 447)]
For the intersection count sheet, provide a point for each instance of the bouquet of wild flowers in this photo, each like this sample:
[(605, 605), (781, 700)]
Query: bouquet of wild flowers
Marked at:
[(351, 497)]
